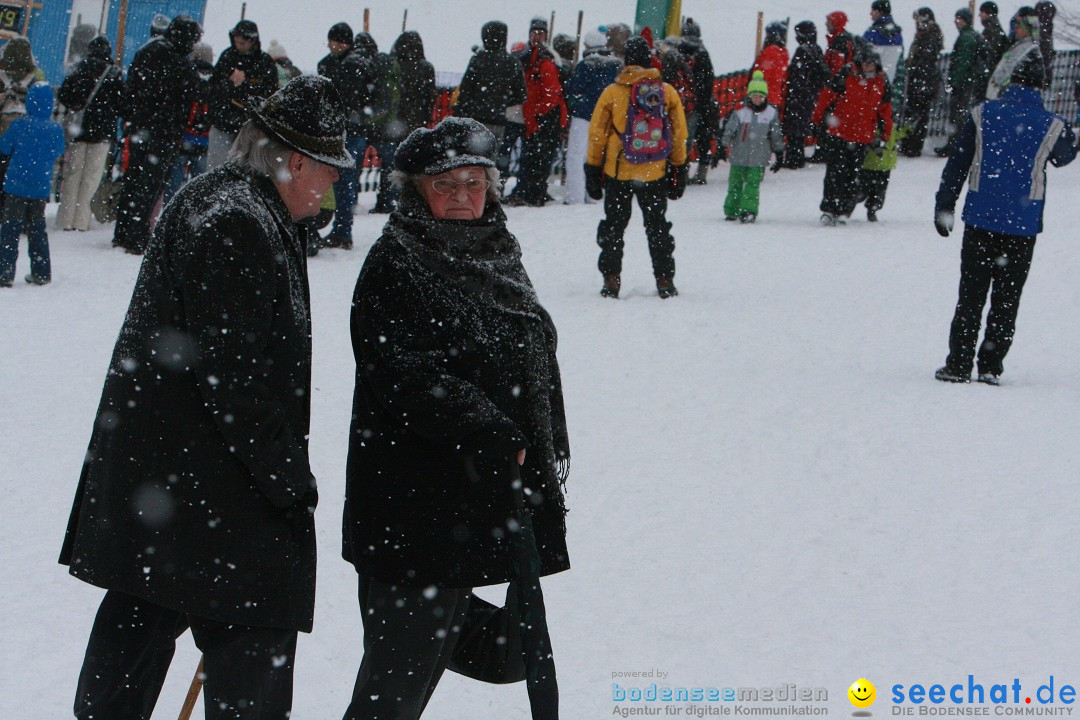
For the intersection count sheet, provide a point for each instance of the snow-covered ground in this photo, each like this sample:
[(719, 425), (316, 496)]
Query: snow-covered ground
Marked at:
[(768, 485)]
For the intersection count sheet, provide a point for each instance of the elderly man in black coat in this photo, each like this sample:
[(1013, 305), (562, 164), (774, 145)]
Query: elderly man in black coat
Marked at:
[(161, 84), (195, 505)]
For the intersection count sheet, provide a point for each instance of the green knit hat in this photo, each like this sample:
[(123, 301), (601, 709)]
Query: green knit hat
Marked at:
[(758, 84)]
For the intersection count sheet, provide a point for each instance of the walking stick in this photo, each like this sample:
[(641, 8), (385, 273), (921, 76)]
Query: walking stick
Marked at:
[(192, 693)]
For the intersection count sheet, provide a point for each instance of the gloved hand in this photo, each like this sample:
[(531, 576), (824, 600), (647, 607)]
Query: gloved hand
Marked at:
[(594, 181), (943, 221), (877, 146), (721, 152), (777, 164), (676, 177)]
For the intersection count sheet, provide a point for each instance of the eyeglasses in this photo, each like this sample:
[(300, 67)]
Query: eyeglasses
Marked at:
[(473, 186)]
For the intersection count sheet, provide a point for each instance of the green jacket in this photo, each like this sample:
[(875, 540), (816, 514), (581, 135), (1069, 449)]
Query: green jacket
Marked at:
[(886, 161), (962, 63)]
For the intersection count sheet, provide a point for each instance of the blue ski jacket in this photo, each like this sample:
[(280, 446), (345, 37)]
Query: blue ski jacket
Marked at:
[(33, 142)]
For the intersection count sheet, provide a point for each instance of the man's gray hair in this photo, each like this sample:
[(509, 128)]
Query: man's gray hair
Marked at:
[(254, 150), (400, 179)]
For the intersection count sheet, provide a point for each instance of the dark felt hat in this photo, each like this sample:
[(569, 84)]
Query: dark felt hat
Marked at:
[(990, 8), (965, 15), (538, 23), (307, 116), (455, 142)]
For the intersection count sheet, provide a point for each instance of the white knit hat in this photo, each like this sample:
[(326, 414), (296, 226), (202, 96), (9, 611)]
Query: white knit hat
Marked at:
[(276, 51), (595, 39)]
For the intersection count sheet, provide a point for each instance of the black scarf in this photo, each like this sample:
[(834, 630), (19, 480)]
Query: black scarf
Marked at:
[(482, 258)]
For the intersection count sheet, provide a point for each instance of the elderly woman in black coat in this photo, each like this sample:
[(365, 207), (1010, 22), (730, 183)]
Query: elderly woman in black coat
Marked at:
[(458, 430)]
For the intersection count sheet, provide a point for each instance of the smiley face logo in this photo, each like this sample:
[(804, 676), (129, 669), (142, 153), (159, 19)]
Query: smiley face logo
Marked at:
[(862, 693)]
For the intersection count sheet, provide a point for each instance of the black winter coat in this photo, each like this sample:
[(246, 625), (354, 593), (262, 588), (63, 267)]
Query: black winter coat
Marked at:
[(493, 81), (996, 40), (196, 492), (99, 120), (229, 104), (416, 83), (923, 75), (806, 75), (455, 372), (352, 75), (702, 79), (161, 84)]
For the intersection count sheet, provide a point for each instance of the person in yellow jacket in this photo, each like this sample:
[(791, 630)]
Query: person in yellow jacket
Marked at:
[(645, 157)]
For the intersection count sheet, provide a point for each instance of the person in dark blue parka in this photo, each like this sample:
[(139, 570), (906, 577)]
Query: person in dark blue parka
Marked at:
[(597, 69)]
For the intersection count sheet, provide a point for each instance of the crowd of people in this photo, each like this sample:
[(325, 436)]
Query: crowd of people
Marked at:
[(195, 508)]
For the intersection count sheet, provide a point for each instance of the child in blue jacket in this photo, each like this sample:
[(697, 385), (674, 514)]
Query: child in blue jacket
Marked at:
[(33, 143)]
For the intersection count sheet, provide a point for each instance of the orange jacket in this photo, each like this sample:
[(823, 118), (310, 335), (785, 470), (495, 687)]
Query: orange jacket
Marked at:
[(609, 121)]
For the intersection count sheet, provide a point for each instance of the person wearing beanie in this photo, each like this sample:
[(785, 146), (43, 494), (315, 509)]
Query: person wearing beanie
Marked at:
[(773, 62), (191, 161), (751, 135), (805, 77), (18, 71), (997, 42), (965, 81), (158, 25), (597, 69), (286, 71), (161, 85), (859, 102), (703, 117), (352, 75), (545, 116), (839, 43), (885, 35), (216, 348), (637, 147), (1026, 47), (91, 94), (443, 447), (923, 81), (244, 76), (1013, 137)]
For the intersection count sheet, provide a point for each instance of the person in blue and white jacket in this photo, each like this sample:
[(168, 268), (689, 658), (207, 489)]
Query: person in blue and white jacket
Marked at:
[(1002, 150), (885, 35), (596, 71)]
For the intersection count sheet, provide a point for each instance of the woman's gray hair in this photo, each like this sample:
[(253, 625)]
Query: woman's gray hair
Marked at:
[(254, 150), (400, 179)]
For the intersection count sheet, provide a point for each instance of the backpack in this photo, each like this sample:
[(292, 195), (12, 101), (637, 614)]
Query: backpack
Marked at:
[(647, 137)]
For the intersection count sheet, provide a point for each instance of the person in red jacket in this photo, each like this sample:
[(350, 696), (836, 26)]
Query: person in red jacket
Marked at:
[(773, 62), (545, 115), (839, 42), (861, 106)]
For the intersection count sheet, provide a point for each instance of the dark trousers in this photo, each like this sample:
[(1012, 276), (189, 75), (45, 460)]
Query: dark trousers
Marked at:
[(618, 202), (386, 199), (998, 263), (960, 103), (24, 215), (248, 670), (873, 184), (150, 159), (409, 638), (843, 160), (917, 118), (540, 149), (346, 187)]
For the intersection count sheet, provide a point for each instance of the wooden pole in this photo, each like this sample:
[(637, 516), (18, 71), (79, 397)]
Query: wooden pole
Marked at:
[(192, 693), (760, 33), (243, 10), (404, 19), (367, 19), (971, 7), (121, 29), (26, 18), (101, 22), (551, 27), (577, 43)]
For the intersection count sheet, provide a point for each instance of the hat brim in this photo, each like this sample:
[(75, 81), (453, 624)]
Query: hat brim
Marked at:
[(458, 161), (333, 156)]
